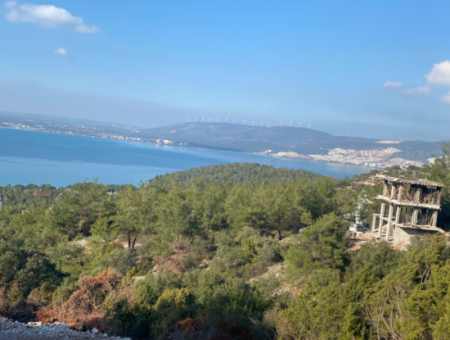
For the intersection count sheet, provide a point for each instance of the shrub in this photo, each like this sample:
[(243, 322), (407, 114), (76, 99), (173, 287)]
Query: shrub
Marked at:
[(122, 260), (40, 297), (150, 289), (268, 254), (3, 301), (191, 261), (37, 271), (92, 293), (202, 247), (21, 311)]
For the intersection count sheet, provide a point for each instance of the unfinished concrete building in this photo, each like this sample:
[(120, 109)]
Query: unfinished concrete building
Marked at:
[(409, 207)]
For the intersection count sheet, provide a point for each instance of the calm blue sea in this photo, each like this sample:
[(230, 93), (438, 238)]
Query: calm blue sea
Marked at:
[(36, 157)]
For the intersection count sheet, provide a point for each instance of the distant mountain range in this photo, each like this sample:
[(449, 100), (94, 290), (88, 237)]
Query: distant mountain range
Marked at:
[(246, 138), (280, 141)]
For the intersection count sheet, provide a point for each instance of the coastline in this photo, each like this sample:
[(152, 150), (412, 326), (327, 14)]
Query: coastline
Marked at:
[(60, 159), (372, 159)]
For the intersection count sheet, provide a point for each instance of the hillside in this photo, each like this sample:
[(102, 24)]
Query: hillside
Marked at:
[(247, 138), (235, 174), (181, 261), (257, 139)]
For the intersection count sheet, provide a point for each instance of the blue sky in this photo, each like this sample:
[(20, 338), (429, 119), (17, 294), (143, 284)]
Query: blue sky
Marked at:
[(357, 67)]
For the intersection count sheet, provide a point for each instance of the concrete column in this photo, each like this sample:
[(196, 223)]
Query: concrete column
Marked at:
[(435, 216), (400, 191), (374, 220), (414, 216), (397, 215), (380, 225), (391, 196), (391, 213), (417, 194)]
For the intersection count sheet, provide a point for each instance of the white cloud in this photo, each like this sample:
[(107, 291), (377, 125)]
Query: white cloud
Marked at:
[(393, 84), (62, 52), (440, 74), (446, 98), (417, 91), (398, 87), (46, 16)]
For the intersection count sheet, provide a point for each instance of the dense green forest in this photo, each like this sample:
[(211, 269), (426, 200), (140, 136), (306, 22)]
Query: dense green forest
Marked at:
[(397, 171), (235, 174), (225, 252)]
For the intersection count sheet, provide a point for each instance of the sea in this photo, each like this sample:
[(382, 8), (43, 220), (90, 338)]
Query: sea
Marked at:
[(57, 159)]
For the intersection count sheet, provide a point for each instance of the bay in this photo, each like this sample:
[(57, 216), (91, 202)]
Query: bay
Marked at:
[(46, 158)]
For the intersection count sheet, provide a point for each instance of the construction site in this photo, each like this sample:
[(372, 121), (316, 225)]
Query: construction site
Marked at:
[(409, 207)]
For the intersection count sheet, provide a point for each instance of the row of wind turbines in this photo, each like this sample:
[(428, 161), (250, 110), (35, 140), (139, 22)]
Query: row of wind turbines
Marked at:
[(253, 122), (243, 122)]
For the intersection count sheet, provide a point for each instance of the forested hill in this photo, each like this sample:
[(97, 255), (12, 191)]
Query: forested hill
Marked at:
[(235, 174), (242, 261), (247, 138)]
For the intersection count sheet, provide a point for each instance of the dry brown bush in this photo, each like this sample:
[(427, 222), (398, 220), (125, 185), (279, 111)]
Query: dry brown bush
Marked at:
[(207, 329), (92, 292), (84, 309)]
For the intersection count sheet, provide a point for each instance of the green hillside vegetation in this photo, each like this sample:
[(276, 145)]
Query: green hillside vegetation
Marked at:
[(235, 174), (206, 258), (397, 171)]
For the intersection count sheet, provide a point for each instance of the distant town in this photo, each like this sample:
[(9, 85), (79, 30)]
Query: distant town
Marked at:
[(371, 158)]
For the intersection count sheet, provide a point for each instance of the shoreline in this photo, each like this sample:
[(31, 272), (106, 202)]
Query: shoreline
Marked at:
[(164, 142)]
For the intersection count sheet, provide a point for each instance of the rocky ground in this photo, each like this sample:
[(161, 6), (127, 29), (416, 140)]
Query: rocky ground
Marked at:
[(14, 330)]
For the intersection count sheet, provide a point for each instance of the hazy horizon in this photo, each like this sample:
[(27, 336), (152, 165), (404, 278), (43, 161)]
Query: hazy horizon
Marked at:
[(230, 121)]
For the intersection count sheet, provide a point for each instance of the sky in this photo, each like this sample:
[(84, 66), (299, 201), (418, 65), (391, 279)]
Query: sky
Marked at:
[(377, 69)]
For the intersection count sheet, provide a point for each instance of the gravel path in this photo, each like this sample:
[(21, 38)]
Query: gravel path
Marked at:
[(14, 330)]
